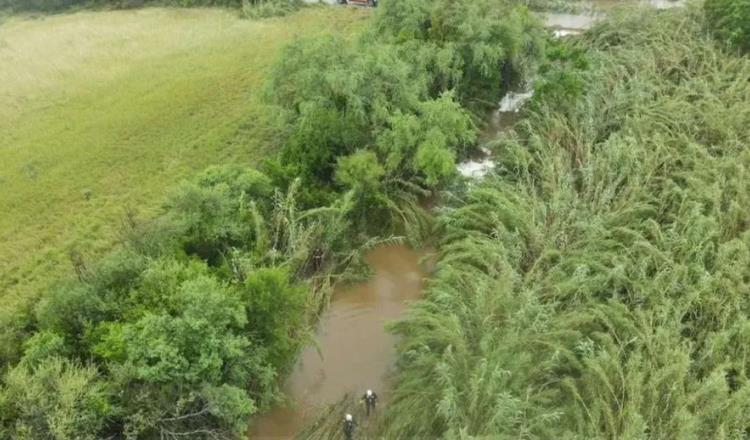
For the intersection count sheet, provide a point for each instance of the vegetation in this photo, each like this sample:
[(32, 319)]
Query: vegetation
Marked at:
[(478, 49), (361, 117), (185, 330), (58, 5), (730, 21), (269, 8), (595, 287), (249, 8), (101, 111)]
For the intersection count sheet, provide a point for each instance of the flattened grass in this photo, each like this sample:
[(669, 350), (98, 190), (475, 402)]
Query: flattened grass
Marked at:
[(100, 111)]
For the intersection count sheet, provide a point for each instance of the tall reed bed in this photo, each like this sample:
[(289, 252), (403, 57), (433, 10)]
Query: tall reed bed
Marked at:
[(596, 286)]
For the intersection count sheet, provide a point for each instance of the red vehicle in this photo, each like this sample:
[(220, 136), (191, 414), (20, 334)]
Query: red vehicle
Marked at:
[(370, 3)]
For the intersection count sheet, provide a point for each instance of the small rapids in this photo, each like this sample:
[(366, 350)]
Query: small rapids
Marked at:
[(561, 25), (499, 120)]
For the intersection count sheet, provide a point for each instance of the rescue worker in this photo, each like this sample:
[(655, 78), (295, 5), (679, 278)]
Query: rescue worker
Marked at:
[(349, 426), (370, 399), (317, 259)]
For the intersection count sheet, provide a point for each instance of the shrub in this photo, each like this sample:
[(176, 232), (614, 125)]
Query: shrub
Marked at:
[(185, 340), (366, 108), (55, 399), (423, 146), (360, 172), (336, 98), (43, 346), (730, 21), (58, 5), (69, 310), (214, 212), (275, 306), (194, 342)]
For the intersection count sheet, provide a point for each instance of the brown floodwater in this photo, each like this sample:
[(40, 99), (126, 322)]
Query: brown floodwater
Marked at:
[(353, 350), (356, 353)]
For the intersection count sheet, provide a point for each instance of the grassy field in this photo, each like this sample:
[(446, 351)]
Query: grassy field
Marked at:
[(100, 111)]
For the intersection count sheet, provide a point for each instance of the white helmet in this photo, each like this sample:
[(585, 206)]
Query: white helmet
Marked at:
[(348, 417), (369, 393)]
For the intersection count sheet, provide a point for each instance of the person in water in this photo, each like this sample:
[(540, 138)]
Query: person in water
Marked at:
[(349, 426), (370, 399)]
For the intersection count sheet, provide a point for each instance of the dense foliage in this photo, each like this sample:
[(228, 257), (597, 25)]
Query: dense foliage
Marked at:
[(186, 329), (477, 48), (269, 8), (385, 116), (730, 21), (596, 287)]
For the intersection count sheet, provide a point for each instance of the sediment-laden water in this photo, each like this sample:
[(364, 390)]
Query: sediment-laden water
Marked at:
[(356, 352)]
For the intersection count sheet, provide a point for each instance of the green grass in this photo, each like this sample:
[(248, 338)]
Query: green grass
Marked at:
[(100, 111)]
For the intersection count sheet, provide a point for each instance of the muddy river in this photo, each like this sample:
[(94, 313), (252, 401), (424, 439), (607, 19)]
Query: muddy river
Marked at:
[(353, 351), (356, 353)]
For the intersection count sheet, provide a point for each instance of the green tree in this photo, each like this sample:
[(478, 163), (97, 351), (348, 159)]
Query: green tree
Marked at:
[(275, 307), (54, 399), (477, 48), (213, 212), (423, 146), (336, 97), (595, 287)]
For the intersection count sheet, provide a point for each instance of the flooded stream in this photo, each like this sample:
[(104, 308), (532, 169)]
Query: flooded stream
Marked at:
[(356, 352), (506, 112)]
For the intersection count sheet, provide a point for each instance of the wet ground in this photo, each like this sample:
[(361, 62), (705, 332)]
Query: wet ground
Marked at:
[(356, 353)]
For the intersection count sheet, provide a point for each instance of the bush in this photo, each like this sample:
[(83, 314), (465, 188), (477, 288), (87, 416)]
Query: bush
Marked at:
[(55, 399), (215, 211), (193, 333), (336, 97), (43, 346), (392, 100), (730, 21), (275, 306), (364, 107), (16, 323), (58, 5)]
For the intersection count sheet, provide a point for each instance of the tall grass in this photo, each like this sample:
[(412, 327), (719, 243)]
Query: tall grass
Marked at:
[(596, 287)]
